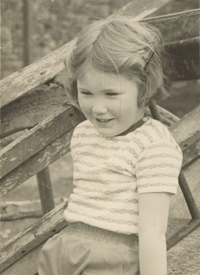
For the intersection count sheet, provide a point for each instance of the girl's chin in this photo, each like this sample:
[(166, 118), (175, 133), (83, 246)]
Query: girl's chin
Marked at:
[(107, 132)]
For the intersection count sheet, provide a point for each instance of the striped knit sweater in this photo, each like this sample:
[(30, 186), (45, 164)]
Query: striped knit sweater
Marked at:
[(111, 172)]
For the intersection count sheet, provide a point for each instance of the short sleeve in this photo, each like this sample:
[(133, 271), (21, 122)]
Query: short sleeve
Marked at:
[(158, 167)]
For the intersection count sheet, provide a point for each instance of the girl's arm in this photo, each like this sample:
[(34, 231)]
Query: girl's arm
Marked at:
[(153, 218)]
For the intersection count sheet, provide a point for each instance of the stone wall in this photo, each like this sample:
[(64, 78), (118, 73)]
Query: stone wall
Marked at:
[(52, 24)]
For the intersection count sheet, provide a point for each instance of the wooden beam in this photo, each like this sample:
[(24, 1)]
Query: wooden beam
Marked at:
[(39, 137), (26, 80), (183, 232), (16, 210), (36, 163), (184, 61), (177, 26), (27, 35), (27, 265), (191, 153), (33, 108), (178, 205), (45, 190), (187, 130), (29, 239), (140, 9)]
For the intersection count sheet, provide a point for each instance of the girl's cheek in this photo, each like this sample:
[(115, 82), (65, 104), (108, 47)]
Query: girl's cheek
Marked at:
[(84, 104)]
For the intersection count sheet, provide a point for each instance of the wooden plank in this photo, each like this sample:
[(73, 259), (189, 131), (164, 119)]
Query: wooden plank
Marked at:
[(27, 79), (27, 35), (45, 190), (140, 9), (38, 137), (36, 163), (32, 109), (183, 232), (184, 61), (180, 32), (187, 130), (178, 207), (176, 6), (27, 265), (167, 118), (191, 153), (16, 210), (177, 26), (29, 239)]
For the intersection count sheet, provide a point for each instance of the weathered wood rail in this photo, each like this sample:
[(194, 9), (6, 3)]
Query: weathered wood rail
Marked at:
[(35, 101)]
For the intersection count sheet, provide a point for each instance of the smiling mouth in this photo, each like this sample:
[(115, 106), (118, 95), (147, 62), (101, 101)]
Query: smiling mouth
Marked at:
[(103, 120)]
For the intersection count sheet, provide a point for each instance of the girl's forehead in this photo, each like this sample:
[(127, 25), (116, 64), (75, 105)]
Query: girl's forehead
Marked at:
[(92, 76)]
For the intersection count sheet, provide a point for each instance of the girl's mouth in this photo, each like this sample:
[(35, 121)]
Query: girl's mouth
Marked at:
[(103, 120)]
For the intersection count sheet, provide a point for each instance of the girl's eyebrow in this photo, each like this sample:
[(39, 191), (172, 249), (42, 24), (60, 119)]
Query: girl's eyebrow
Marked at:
[(105, 91)]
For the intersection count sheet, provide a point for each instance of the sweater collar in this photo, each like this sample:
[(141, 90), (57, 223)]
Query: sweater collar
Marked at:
[(133, 127)]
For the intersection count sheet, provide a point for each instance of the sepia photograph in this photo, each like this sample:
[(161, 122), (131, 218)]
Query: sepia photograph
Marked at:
[(100, 137)]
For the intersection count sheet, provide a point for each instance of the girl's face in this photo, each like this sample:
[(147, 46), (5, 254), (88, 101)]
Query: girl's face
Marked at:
[(109, 101)]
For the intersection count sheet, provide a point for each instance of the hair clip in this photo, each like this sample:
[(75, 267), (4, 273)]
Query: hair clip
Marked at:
[(148, 61)]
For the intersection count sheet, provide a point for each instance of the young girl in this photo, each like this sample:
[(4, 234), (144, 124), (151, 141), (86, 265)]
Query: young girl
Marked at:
[(126, 165)]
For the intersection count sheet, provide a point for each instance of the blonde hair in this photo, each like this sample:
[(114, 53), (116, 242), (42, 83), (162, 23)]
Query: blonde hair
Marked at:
[(122, 46)]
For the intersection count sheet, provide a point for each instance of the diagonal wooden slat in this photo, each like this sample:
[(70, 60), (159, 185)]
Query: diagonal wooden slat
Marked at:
[(27, 265), (184, 60), (140, 9), (31, 109), (177, 26), (36, 163), (25, 241), (27, 79), (188, 130), (39, 137)]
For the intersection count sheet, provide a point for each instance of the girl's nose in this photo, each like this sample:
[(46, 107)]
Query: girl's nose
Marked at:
[(98, 107)]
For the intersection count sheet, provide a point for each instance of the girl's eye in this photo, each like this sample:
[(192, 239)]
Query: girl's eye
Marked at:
[(85, 93), (112, 94)]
